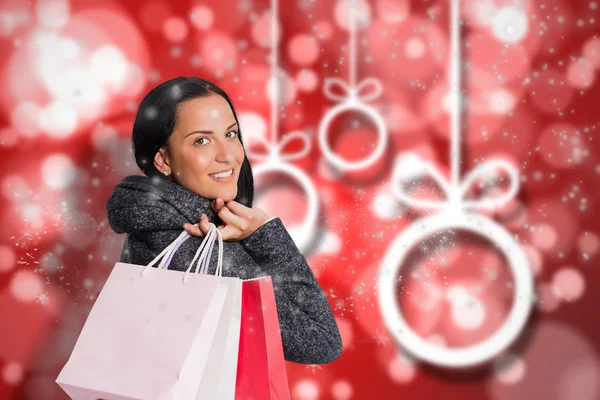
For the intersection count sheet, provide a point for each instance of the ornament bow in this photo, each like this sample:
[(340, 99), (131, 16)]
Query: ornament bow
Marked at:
[(367, 90), (411, 167), (274, 151)]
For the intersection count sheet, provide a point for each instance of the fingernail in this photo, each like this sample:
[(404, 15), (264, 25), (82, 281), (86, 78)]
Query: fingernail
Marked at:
[(186, 226)]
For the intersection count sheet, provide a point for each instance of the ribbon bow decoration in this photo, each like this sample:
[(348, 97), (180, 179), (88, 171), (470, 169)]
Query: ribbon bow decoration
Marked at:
[(353, 94), (275, 150), (411, 166)]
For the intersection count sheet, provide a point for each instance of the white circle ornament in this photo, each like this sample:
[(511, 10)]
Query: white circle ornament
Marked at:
[(276, 161), (453, 213), (354, 99)]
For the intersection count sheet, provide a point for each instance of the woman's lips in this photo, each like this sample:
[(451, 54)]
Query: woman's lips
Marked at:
[(224, 179)]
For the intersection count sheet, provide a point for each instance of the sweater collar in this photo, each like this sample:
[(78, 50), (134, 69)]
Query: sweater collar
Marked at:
[(142, 203)]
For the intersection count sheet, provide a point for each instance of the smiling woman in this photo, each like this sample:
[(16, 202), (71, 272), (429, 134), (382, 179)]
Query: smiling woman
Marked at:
[(194, 157), (188, 143), (187, 129)]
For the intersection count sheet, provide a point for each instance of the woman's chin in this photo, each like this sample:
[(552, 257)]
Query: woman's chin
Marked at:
[(226, 195)]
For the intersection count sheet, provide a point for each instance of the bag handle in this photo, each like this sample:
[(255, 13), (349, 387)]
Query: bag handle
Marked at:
[(166, 261), (174, 246), (162, 253), (205, 256), (170, 250)]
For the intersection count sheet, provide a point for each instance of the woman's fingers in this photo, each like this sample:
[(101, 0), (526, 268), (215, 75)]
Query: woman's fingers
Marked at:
[(217, 204), (193, 229), (200, 229), (228, 232), (240, 209), (237, 220), (233, 220), (204, 224)]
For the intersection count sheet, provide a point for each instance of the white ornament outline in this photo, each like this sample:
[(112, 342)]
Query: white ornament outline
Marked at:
[(275, 161), (354, 98), (453, 212)]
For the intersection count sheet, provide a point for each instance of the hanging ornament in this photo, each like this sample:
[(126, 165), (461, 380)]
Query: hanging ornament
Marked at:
[(354, 97), (276, 161), (455, 212)]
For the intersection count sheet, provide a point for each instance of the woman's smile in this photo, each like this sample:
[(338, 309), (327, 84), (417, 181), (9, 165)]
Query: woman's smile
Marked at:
[(223, 176)]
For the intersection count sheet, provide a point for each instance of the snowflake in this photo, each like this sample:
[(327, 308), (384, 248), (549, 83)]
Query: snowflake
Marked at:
[(313, 367), (43, 298), (381, 338), (358, 289)]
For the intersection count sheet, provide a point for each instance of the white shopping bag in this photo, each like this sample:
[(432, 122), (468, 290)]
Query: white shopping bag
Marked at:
[(150, 332), (218, 380)]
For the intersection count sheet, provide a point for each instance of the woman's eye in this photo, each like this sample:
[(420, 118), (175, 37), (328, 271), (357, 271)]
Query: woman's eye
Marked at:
[(203, 138)]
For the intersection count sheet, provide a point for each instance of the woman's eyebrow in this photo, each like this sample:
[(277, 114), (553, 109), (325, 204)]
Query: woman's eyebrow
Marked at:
[(209, 132)]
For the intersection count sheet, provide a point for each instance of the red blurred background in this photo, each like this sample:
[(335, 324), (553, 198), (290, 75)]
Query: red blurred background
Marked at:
[(74, 71)]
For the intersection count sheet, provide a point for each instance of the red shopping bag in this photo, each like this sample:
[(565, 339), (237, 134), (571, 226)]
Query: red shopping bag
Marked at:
[(261, 372)]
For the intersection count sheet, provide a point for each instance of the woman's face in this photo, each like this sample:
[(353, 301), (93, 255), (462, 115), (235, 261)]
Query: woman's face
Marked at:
[(205, 142)]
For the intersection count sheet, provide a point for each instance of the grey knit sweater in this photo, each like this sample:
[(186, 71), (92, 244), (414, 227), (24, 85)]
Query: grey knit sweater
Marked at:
[(152, 212)]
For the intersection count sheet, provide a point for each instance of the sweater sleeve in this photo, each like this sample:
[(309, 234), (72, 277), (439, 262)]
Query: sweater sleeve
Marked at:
[(309, 332), (268, 220)]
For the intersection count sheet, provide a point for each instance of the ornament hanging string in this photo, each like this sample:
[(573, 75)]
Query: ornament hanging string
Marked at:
[(353, 92), (455, 191), (274, 149), (352, 96)]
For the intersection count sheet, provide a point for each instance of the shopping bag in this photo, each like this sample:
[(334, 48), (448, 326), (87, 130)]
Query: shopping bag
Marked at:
[(218, 381), (149, 333), (261, 371)]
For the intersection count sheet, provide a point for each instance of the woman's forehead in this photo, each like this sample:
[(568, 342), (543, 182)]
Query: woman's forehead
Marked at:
[(211, 111)]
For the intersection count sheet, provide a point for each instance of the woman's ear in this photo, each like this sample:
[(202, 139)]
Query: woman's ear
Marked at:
[(161, 161)]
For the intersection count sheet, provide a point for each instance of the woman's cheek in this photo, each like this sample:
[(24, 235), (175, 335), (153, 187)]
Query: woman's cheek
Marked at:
[(202, 162)]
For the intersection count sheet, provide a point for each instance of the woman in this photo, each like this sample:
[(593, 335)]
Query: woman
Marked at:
[(187, 141)]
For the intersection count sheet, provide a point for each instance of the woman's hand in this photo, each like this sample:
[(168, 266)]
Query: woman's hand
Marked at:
[(240, 221)]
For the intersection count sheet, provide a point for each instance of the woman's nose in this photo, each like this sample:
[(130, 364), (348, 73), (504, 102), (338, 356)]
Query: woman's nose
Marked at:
[(224, 152)]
